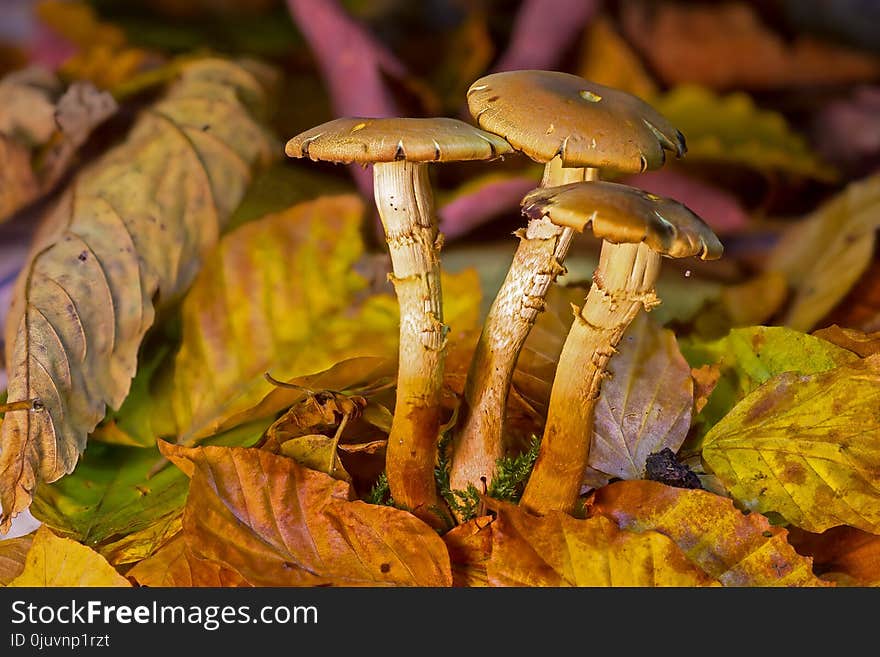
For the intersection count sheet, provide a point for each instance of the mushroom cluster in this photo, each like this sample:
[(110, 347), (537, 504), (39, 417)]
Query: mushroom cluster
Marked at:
[(577, 129)]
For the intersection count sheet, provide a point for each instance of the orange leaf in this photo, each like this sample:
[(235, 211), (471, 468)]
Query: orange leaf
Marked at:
[(862, 344), (281, 524), (470, 546), (558, 550), (13, 552), (174, 564), (844, 554), (735, 548)]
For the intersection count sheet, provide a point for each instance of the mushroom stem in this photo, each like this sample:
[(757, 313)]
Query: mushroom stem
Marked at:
[(478, 442), (623, 283), (406, 207)]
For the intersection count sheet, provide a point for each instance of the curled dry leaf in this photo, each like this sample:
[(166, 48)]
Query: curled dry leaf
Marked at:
[(862, 344), (130, 232), (13, 553), (174, 564), (805, 447), (824, 254), (558, 550), (54, 562), (735, 548), (845, 555), (280, 524)]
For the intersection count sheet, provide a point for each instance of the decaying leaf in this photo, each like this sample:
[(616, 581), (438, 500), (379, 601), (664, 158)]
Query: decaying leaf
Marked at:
[(845, 555), (175, 565), (54, 561), (645, 405), (114, 494), (13, 553), (731, 129), (130, 231), (806, 447), (862, 344), (735, 548), (470, 545), (747, 357), (558, 550), (726, 45), (825, 253), (280, 524)]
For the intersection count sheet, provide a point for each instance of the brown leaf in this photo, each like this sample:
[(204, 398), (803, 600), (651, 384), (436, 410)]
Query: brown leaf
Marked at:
[(280, 524), (558, 550), (470, 545), (725, 45), (846, 555), (705, 379), (13, 552), (735, 548), (863, 344), (174, 564), (860, 308), (132, 228)]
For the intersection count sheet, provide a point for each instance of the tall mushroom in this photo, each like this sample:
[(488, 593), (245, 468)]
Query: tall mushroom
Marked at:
[(576, 128), (399, 149), (637, 228)]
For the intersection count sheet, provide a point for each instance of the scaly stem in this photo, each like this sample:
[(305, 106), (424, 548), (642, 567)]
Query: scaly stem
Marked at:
[(406, 206), (622, 284), (538, 261)]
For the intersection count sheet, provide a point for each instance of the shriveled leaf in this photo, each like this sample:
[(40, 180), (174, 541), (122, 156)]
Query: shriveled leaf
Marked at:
[(280, 524), (731, 129), (825, 253), (113, 494), (470, 545), (645, 405), (806, 447), (13, 553), (558, 550), (132, 228), (735, 548), (175, 565), (606, 58), (55, 561), (862, 344), (727, 45), (845, 555), (747, 357)]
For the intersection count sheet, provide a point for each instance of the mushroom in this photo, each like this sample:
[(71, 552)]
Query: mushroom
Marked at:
[(637, 228), (399, 149), (575, 127)]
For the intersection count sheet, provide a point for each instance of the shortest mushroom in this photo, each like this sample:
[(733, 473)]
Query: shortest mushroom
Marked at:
[(400, 149), (637, 228)]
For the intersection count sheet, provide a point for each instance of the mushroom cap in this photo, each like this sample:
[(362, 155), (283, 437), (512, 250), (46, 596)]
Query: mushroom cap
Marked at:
[(548, 113), (623, 214), (392, 139)]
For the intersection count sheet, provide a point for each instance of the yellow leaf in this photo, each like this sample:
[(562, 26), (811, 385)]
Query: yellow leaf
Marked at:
[(736, 548), (54, 561), (806, 447), (317, 452), (731, 129), (174, 564), (824, 254), (558, 550), (131, 229)]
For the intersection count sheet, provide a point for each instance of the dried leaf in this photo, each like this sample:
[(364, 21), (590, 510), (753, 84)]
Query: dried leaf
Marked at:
[(54, 561), (470, 545), (735, 548), (317, 452), (860, 308), (279, 524), (805, 447), (731, 129), (645, 405), (132, 227), (862, 344), (558, 550), (175, 565), (13, 553), (726, 45), (845, 555), (113, 494), (705, 379), (606, 58), (825, 253)]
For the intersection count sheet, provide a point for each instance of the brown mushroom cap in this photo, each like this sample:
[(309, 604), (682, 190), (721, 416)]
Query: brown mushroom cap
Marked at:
[(623, 214), (392, 139), (548, 113)]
